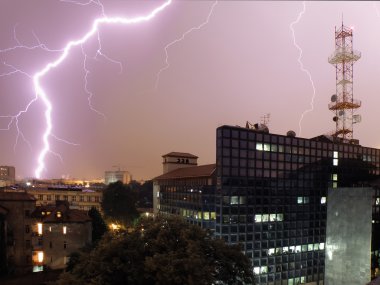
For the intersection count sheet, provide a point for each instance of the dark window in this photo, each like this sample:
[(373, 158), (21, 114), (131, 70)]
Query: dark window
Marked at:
[(27, 229), (64, 244)]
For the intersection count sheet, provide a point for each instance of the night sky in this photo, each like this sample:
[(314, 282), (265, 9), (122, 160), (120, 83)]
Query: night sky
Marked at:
[(239, 66)]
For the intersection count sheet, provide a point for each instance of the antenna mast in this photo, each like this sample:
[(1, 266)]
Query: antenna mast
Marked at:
[(343, 103)]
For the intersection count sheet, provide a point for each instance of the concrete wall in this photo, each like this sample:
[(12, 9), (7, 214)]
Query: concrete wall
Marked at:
[(348, 236), (55, 253), (19, 254)]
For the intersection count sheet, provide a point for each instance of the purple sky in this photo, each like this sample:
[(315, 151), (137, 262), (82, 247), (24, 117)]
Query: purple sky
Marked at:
[(239, 66)]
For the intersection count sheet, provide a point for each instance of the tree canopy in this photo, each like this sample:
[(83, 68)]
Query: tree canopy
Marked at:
[(162, 251), (119, 203), (99, 227)]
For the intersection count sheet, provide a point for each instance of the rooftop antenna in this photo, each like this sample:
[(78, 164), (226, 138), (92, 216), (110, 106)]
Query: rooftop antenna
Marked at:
[(343, 103), (265, 119)]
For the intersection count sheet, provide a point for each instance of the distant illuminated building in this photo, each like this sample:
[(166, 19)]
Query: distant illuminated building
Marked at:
[(119, 175), (7, 175), (79, 198)]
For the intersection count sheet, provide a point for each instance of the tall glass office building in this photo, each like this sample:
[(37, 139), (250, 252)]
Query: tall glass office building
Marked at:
[(271, 197), (269, 193)]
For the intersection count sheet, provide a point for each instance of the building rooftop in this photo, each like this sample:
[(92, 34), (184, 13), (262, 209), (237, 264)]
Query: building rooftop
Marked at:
[(180, 154), (189, 172), (60, 213), (9, 195)]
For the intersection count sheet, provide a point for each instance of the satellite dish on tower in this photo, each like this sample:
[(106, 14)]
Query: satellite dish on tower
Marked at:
[(356, 119), (333, 98)]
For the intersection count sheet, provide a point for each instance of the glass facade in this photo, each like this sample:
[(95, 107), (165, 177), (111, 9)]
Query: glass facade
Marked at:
[(269, 193), (271, 197), (190, 198)]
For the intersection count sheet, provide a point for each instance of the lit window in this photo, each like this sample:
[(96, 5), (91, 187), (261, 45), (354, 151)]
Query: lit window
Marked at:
[(316, 246), (38, 268), (265, 218), (334, 177), (335, 185), (39, 228), (49, 229), (256, 270), (323, 200), (259, 146), (40, 256), (266, 147), (64, 230), (234, 200), (263, 269), (66, 259), (59, 214), (258, 218), (292, 248), (272, 217), (298, 248), (335, 162), (310, 247), (242, 200), (335, 154), (280, 217), (322, 246), (271, 251), (377, 201), (285, 249), (213, 215), (299, 200)]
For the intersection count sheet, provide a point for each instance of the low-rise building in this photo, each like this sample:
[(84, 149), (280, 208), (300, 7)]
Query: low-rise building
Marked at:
[(7, 175), (16, 231), (59, 231), (78, 198)]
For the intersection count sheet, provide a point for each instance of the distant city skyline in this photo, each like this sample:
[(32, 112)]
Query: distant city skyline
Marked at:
[(240, 65)]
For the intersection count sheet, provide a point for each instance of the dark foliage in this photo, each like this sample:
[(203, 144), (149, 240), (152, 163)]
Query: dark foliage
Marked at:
[(119, 203), (99, 227), (161, 251)]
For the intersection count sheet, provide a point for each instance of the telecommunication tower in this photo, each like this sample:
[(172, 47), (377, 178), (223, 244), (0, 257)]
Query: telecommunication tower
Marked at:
[(343, 103)]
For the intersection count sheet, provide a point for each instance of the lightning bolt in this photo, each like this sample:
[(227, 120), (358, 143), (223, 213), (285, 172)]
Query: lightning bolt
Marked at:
[(180, 39), (303, 69), (38, 76)]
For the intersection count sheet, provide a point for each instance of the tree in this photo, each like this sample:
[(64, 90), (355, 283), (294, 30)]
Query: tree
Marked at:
[(119, 203), (163, 251), (99, 227)]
